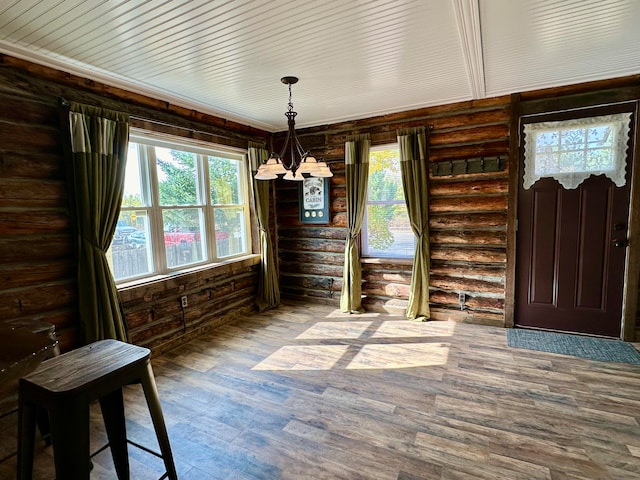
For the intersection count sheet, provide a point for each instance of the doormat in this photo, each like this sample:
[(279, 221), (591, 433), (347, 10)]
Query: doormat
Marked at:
[(602, 349)]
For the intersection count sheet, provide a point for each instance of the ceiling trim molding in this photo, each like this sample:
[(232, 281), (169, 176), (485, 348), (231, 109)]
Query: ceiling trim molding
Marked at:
[(53, 61), (467, 13)]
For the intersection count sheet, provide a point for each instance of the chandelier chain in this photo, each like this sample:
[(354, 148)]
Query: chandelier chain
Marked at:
[(290, 100)]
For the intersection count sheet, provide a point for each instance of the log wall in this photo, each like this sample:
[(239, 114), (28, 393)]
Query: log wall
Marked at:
[(37, 264), (154, 312), (470, 214), (37, 274), (468, 217)]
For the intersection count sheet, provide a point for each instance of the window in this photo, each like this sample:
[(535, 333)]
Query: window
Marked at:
[(572, 150), (386, 231), (183, 205)]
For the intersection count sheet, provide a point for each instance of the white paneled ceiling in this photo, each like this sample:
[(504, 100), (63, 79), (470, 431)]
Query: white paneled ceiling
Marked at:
[(354, 58)]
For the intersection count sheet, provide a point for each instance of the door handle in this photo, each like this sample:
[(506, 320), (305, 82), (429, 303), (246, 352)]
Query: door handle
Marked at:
[(621, 242)]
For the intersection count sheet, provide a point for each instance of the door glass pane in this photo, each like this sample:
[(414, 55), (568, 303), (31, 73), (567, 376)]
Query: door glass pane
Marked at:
[(572, 150)]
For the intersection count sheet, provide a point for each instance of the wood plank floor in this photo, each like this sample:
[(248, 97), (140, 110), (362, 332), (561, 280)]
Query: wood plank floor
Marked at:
[(304, 392)]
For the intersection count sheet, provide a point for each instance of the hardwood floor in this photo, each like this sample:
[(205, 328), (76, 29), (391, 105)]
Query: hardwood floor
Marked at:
[(304, 392)]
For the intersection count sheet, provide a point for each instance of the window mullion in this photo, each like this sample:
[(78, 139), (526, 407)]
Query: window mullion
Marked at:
[(156, 227), (205, 186), (244, 199)]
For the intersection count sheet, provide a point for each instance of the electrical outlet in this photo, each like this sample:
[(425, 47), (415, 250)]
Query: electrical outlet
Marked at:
[(184, 301)]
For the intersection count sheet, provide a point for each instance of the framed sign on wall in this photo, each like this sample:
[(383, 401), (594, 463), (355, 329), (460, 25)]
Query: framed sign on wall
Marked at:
[(314, 200)]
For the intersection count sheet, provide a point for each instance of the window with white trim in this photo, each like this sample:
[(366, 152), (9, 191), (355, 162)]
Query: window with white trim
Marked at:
[(184, 204), (386, 231)]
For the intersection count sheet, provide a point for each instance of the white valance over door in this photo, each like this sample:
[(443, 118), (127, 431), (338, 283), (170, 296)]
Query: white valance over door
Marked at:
[(572, 150)]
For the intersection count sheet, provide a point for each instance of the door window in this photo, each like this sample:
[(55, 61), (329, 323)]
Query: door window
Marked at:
[(572, 150)]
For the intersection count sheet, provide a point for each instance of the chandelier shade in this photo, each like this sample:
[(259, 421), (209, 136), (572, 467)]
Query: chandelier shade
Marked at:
[(299, 161)]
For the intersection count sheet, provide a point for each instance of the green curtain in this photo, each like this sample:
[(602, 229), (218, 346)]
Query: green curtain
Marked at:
[(268, 287), (97, 156), (415, 178), (357, 176)]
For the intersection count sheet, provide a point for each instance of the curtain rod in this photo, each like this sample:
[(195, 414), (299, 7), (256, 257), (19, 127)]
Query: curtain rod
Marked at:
[(65, 103), (242, 136)]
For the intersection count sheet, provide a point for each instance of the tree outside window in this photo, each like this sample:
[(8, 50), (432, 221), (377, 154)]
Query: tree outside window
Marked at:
[(386, 230)]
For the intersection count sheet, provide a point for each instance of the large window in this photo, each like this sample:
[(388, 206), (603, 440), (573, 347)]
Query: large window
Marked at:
[(183, 205), (386, 231)]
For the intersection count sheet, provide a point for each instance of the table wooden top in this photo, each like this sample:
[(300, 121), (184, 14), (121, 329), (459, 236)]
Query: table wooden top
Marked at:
[(21, 350)]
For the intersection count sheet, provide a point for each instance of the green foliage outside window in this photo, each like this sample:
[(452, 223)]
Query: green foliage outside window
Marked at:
[(178, 187), (385, 186), (224, 178)]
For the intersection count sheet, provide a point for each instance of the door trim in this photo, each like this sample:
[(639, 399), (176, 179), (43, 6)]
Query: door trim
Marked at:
[(632, 270), (512, 212)]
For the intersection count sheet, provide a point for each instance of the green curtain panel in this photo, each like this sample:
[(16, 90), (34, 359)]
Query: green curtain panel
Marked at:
[(415, 178), (97, 160), (357, 176), (268, 287)]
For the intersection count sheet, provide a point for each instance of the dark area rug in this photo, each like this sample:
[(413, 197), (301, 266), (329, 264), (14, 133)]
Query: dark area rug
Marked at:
[(602, 349)]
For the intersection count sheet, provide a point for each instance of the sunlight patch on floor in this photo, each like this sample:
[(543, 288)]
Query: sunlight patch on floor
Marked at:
[(335, 330), (311, 357), (408, 328), (405, 355)]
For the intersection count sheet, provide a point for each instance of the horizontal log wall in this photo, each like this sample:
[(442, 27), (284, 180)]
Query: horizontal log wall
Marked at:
[(37, 273), (154, 312), (468, 217), (37, 265), (468, 213)]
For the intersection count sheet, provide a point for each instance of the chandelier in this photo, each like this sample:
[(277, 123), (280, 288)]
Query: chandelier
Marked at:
[(300, 161)]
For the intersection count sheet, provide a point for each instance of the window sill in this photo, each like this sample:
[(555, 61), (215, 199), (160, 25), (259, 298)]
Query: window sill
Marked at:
[(386, 260), (246, 260)]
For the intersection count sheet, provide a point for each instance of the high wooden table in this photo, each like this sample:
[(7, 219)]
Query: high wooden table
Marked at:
[(24, 344)]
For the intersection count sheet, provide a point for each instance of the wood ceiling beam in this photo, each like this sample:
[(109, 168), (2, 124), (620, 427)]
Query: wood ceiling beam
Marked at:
[(467, 14)]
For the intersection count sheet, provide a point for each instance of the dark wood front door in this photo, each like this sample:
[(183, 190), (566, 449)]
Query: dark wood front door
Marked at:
[(571, 254)]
